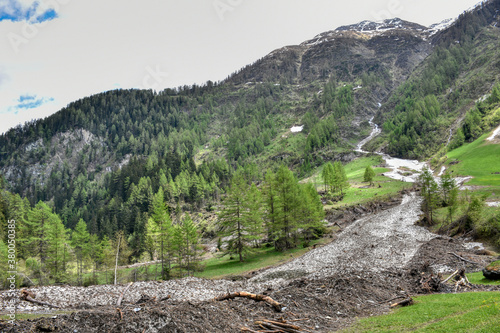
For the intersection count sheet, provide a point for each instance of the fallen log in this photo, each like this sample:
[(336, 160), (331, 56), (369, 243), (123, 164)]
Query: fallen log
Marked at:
[(406, 302), (119, 302), (259, 298), (28, 296), (463, 259)]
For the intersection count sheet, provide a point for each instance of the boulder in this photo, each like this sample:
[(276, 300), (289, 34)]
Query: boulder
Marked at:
[(492, 272)]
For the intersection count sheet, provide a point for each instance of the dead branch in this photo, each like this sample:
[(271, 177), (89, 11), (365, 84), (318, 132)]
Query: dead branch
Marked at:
[(119, 302), (29, 296), (165, 298), (120, 313), (406, 302), (459, 257), (282, 324), (246, 329), (276, 328), (259, 298), (451, 276)]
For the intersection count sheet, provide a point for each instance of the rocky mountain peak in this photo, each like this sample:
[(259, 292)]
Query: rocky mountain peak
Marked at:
[(390, 24)]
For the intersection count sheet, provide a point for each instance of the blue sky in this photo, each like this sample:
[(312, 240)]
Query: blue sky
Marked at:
[(54, 52), (16, 11), (27, 102)]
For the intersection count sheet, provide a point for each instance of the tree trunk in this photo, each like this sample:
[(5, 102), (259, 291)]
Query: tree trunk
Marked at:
[(259, 298), (117, 252)]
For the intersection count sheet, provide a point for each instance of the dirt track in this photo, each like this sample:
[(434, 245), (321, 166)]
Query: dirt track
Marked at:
[(372, 260)]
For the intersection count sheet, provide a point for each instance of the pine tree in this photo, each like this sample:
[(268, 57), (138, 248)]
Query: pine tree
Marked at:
[(369, 175), (340, 183), (447, 184), (58, 252), (79, 240), (287, 203), (178, 247), (108, 254), (152, 238), (36, 243), (430, 193), (164, 228), (328, 176), (233, 219), (96, 254), (269, 200), (191, 242), (253, 206), (310, 212)]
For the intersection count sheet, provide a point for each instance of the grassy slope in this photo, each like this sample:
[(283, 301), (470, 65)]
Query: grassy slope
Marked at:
[(481, 160), (358, 193), (217, 267), (468, 312)]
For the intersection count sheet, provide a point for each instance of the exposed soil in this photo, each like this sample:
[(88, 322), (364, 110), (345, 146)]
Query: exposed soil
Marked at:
[(372, 261)]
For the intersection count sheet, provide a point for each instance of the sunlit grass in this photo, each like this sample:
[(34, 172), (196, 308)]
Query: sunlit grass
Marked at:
[(481, 160), (219, 267), (468, 312)]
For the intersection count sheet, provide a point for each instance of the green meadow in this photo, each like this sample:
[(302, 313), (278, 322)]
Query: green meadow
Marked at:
[(481, 160), (467, 312)]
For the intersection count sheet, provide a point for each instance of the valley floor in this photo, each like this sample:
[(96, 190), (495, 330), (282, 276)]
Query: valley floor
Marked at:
[(372, 260)]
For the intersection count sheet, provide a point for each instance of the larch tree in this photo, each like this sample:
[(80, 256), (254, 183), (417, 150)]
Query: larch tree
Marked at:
[(270, 203), (38, 220), (58, 251), (96, 254), (164, 229), (310, 212), (253, 206), (233, 219), (287, 201), (328, 175), (341, 182), (80, 242), (190, 240), (369, 175), (446, 183), (430, 193)]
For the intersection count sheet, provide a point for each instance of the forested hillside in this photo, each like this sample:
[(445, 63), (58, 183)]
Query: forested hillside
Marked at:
[(439, 96), (103, 164), (102, 157)]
